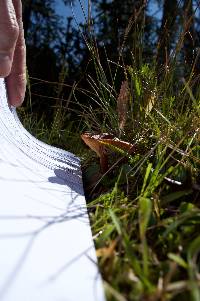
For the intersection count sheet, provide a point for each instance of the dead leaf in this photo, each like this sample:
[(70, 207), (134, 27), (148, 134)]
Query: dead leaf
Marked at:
[(107, 252), (150, 103), (122, 104)]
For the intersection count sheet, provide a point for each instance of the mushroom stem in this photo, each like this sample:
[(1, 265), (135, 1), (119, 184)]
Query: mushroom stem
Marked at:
[(104, 163)]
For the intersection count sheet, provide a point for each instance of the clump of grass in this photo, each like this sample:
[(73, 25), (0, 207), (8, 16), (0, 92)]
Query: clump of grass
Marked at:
[(144, 210)]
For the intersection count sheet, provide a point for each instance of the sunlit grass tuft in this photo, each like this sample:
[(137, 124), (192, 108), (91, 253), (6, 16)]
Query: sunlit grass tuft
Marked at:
[(145, 210)]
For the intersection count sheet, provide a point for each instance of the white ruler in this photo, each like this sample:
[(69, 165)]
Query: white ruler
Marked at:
[(46, 247)]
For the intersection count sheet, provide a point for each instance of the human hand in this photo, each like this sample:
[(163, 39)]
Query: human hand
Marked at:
[(12, 50)]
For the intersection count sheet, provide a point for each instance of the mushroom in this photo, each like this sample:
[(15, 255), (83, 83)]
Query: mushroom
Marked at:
[(99, 144)]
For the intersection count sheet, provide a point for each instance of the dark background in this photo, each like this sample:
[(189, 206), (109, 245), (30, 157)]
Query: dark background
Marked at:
[(123, 33)]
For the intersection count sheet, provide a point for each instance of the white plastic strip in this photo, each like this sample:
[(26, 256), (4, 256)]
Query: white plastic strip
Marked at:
[(46, 247)]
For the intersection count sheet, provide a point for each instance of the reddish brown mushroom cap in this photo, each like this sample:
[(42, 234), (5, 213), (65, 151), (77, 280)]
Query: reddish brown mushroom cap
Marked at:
[(99, 143)]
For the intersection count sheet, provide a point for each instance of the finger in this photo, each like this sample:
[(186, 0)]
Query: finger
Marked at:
[(9, 31), (16, 81)]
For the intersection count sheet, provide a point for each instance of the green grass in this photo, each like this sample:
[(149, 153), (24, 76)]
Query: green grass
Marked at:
[(150, 204), (145, 211)]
